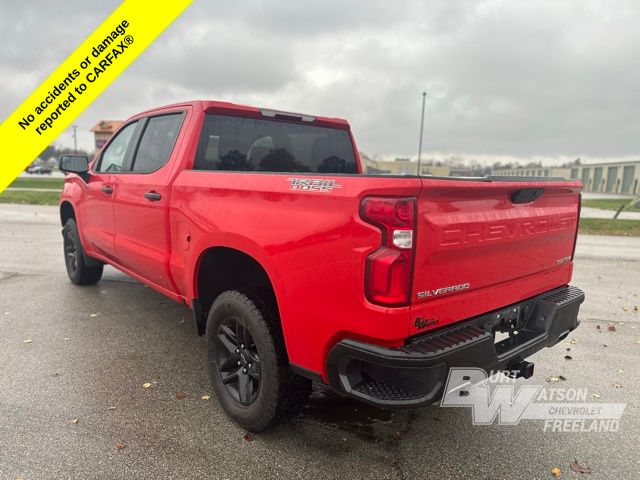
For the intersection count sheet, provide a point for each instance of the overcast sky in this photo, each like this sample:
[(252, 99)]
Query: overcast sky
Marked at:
[(540, 79)]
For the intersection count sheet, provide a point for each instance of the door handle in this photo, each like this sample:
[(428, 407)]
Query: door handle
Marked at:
[(107, 189), (153, 196)]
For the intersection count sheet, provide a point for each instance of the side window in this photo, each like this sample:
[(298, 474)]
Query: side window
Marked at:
[(112, 159), (157, 142)]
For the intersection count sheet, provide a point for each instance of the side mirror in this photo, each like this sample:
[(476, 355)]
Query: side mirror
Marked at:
[(78, 164)]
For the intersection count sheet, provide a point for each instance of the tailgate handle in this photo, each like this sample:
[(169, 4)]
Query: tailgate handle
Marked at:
[(526, 195)]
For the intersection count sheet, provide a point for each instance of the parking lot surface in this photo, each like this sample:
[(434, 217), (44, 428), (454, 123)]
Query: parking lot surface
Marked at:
[(73, 362)]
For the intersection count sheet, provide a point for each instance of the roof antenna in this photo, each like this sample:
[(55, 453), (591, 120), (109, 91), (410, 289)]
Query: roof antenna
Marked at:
[(424, 99)]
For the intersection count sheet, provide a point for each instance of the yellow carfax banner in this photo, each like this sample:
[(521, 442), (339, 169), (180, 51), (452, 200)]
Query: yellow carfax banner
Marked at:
[(79, 80)]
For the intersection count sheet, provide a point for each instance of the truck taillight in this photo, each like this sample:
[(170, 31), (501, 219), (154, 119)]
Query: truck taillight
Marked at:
[(388, 269)]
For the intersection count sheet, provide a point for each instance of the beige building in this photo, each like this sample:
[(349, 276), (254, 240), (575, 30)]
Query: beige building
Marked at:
[(612, 177), (616, 177), (402, 166), (103, 131), (532, 172)]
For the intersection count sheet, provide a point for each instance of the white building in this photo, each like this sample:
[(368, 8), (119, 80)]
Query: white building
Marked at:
[(612, 177), (616, 177)]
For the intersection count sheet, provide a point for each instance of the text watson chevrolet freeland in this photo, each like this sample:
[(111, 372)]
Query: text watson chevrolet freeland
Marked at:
[(298, 266)]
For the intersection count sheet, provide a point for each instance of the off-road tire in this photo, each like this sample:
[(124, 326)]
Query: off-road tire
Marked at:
[(74, 257), (280, 393)]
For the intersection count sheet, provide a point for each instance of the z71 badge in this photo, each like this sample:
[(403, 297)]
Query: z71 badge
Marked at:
[(313, 184)]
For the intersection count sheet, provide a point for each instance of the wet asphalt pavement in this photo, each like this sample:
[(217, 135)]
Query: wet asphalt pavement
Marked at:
[(72, 353)]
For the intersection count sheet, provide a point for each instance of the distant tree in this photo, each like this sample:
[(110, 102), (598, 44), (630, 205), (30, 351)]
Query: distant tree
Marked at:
[(574, 163)]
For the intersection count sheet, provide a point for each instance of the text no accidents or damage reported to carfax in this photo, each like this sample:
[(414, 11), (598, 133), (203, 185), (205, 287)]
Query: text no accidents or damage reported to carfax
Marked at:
[(65, 91)]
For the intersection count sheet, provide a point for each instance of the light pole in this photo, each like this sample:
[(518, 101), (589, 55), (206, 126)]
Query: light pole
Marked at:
[(75, 139), (424, 100)]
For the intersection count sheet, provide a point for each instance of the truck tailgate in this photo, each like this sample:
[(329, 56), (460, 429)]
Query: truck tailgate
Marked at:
[(482, 245)]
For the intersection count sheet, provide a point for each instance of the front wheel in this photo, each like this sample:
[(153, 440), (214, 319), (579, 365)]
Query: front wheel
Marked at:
[(74, 258), (248, 364)]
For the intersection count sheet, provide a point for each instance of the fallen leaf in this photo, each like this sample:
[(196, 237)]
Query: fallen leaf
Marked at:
[(552, 379), (74, 421), (205, 397), (595, 395), (555, 471), (568, 357), (605, 345), (181, 395), (578, 468), (120, 446), (146, 385), (611, 328), (616, 385), (28, 340), (562, 377), (248, 437), (598, 327)]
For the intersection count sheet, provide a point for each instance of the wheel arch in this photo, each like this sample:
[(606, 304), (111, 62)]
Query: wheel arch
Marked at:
[(221, 268), (66, 212)]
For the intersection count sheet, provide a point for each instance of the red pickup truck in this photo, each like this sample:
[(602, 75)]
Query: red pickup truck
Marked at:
[(299, 267)]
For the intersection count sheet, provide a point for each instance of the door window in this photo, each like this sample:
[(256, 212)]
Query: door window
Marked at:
[(157, 142), (113, 157)]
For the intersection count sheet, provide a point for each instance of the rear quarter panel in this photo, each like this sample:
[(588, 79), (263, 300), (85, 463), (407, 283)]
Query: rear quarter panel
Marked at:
[(313, 246)]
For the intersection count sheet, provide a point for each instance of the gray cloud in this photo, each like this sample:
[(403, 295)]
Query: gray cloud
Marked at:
[(526, 79)]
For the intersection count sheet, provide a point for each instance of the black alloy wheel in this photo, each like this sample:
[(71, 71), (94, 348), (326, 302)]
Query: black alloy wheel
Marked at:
[(77, 263), (247, 360), (70, 252), (238, 361)]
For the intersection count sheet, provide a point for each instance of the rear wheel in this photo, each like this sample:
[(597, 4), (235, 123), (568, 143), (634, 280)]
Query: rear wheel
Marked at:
[(248, 364), (74, 257)]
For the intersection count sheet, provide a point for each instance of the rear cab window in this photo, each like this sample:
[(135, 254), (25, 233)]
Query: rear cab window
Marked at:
[(249, 144)]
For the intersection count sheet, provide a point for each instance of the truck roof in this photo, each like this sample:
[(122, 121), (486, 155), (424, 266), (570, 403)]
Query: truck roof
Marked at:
[(231, 108)]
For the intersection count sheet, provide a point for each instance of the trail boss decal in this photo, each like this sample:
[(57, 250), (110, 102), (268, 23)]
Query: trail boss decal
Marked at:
[(444, 290), (313, 184)]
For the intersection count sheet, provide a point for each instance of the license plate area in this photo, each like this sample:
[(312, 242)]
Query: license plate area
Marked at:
[(505, 323)]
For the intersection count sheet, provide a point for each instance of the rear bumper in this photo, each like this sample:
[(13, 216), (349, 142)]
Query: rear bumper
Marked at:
[(416, 373)]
